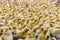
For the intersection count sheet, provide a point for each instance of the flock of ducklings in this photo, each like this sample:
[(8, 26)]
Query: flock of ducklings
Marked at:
[(29, 19)]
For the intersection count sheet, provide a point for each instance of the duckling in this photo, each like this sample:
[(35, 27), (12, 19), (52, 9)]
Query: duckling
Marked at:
[(42, 35)]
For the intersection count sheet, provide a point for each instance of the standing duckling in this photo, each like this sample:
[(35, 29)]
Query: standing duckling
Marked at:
[(42, 35)]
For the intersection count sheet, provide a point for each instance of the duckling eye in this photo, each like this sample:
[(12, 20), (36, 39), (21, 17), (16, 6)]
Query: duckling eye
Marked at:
[(47, 37), (14, 27), (1, 30)]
